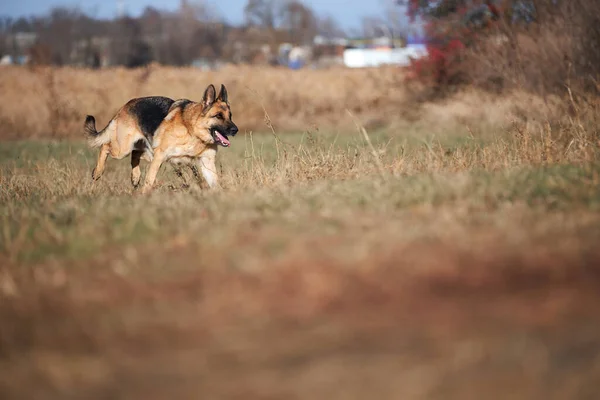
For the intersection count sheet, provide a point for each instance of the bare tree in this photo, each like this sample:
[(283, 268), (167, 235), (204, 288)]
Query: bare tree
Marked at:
[(193, 32), (67, 36), (151, 22), (63, 36), (264, 13), (57, 31), (177, 38), (373, 27), (5, 26), (128, 46), (300, 21), (395, 19), (392, 23), (208, 41), (329, 28), (197, 10)]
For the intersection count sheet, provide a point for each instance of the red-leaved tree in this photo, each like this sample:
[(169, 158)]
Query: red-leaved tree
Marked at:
[(450, 26)]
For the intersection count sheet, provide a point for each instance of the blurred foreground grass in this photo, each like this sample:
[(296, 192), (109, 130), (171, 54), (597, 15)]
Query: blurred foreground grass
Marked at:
[(457, 268)]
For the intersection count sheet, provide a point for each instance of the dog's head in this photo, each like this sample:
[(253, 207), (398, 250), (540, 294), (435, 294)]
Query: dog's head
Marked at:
[(217, 116)]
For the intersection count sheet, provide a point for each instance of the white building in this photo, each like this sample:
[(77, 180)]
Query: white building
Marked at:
[(362, 58)]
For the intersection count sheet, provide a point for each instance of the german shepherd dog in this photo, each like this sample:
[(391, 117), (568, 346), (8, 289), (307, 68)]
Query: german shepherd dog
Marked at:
[(159, 129)]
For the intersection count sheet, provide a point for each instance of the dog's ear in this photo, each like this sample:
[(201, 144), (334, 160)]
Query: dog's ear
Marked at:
[(209, 97), (223, 94)]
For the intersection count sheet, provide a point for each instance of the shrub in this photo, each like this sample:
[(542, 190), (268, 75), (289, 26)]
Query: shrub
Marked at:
[(542, 46)]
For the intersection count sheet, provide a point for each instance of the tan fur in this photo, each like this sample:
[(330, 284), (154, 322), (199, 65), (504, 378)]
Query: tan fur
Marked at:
[(183, 138), (118, 141)]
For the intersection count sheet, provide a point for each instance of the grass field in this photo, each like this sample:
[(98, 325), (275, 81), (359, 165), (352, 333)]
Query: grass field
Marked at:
[(51, 102), (401, 263)]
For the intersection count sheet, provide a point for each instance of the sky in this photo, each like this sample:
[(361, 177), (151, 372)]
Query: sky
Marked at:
[(347, 13)]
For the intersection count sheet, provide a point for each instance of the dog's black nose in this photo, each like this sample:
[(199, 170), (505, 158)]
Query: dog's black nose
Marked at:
[(233, 130)]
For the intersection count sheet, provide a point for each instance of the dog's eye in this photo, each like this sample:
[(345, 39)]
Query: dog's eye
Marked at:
[(219, 116)]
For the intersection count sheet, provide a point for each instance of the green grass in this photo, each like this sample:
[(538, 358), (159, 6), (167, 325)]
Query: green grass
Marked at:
[(318, 185), (446, 262)]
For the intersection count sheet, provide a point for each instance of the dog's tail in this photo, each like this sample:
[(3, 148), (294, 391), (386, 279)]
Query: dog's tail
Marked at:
[(95, 138)]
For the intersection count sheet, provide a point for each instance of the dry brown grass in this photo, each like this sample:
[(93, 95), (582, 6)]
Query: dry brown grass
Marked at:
[(53, 102), (34, 100), (453, 256)]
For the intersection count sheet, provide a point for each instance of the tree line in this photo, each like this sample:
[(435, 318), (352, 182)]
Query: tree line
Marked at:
[(69, 36)]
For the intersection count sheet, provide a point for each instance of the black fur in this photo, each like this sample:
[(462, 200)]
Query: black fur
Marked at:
[(210, 95), (223, 94), (182, 104), (150, 112), (89, 127)]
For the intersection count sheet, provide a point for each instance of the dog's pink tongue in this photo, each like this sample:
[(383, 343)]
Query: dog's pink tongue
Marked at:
[(223, 139)]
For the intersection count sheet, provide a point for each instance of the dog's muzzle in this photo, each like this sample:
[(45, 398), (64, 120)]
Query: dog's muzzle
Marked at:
[(221, 135)]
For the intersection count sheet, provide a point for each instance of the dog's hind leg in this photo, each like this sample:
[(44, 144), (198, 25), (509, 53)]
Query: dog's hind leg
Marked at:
[(136, 172), (101, 164)]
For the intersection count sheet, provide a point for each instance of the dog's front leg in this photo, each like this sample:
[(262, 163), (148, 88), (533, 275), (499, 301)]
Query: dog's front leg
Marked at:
[(208, 168), (158, 159)]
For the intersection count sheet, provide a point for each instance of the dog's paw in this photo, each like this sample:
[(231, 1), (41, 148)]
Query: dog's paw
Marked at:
[(95, 176)]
